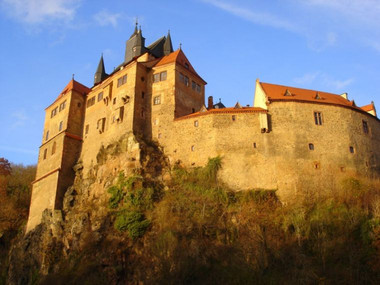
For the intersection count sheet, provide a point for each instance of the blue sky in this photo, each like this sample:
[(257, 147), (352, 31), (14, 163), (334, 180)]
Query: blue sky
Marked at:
[(326, 45)]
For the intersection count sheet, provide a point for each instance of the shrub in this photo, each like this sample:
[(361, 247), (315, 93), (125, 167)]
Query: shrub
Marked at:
[(134, 222)]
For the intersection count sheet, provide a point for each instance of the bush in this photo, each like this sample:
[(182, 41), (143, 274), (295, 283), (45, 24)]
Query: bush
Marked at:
[(133, 222)]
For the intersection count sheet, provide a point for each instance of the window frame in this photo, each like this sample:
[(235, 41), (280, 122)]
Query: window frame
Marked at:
[(318, 118), (157, 100)]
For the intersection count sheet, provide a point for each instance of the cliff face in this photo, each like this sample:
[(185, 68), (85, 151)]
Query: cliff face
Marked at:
[(130, 220), (84, 228)]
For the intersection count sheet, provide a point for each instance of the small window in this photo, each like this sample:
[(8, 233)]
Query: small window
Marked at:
[(87, 129), (317, 165), (157, 100), (62, 106), (163, 76), (54, 112), (311, 146), (90, 101), (192, 148), (45, 153), (318, 118), (53, 148), (142, 78), (352, 150), (122, 80), (114, 101), (142, 113), (142, 95), (159, 135), (120, 114), (60, 126), (156, 77), (101, 125), (100, 96), (365, 127), (186, 81), (193, 85), (192, 110), (198, 88), (254, 145), (79, 105), (47, 135), (196, 124), (233, 118), (186, 65), (342, 169)]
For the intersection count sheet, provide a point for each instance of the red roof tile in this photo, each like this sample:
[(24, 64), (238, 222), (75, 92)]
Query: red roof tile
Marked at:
[(179, 57), (369, 107), (286, 93), (72, 85)]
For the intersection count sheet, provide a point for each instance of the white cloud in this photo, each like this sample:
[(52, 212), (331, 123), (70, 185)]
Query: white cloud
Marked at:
[(19, 118), (257, 17), (39, 11), (105, 18), (324, 80)]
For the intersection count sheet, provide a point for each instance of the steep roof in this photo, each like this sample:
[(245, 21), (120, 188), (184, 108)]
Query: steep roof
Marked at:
[(72, 85), (225, 111), (179, 57), (370, 108), (286, 93)]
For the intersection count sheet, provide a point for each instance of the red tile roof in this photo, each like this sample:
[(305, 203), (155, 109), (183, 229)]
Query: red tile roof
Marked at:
[(286, 93), (369, 107), (72, 85), (179, 57), (225, 111)]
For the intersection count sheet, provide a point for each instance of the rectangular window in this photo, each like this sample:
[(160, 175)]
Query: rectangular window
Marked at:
[(365, 127), (91, 101), (47, 135), (45, 153), (318, 118), (157, 100), (122, 80), (163, 76), (62, 106), (120, 114), (87, 129), (193, 85), (196, 124), (159, 76), (233, 118), (186, 80), (54, 112), (101, 125), (100, 96), (198, 88), (60, 126), (182, 78)]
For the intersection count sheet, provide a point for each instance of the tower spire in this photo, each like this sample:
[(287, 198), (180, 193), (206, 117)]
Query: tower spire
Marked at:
[(168, 47), (100, 73)]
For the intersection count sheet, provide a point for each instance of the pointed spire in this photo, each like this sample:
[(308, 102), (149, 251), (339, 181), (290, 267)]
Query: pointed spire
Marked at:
[(168, 47), (100, 73)]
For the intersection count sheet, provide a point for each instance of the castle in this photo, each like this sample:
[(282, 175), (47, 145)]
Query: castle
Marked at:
[(289, 139)]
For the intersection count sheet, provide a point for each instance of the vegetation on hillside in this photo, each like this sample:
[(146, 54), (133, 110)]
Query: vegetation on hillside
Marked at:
[(15, 191), (195, 230)]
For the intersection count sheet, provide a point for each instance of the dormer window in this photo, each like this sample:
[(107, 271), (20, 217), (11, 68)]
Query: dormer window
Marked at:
[(186, 65)]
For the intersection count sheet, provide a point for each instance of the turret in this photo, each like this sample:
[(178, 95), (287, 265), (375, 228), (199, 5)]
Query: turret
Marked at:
[(168, 47), (100, 73), (135, 46)]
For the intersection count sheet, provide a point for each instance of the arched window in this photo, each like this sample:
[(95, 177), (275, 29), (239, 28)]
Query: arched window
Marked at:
[(53, 148)]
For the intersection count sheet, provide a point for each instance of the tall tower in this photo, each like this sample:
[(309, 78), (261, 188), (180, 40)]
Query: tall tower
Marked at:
[(135, 46), (59, 151)]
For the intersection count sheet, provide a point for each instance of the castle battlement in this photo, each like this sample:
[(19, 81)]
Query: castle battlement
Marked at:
[(291, 137)]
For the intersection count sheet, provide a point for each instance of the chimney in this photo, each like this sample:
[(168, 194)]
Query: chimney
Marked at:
[(210, 103)]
